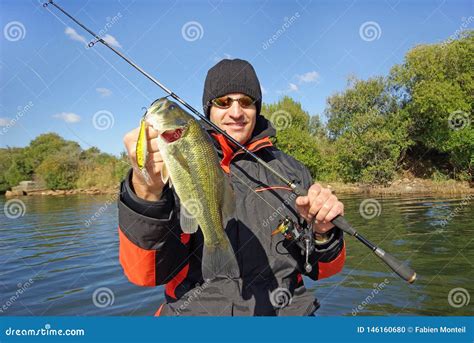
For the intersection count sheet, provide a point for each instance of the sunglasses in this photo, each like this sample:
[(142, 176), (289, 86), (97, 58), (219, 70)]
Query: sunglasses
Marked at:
[(227, 101)]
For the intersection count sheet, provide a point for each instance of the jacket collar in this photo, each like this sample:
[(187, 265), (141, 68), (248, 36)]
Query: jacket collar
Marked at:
[(260, 139)]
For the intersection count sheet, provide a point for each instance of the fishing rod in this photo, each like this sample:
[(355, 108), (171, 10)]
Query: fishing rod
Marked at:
[(404, 271)]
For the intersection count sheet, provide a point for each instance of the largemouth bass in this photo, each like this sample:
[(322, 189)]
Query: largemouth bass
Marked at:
[(191, 166)]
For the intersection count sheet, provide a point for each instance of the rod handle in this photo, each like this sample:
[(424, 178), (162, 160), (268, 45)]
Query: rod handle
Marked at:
[(298, 190), (339, 221), (404, 271), (342, 223)]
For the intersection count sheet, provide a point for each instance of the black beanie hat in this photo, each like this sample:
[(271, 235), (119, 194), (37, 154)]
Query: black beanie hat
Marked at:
[(231, 76)]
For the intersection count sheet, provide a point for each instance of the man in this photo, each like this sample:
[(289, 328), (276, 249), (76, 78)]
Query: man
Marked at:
[(154, 250)]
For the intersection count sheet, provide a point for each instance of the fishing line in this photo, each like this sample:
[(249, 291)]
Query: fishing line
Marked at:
[(402, 270)]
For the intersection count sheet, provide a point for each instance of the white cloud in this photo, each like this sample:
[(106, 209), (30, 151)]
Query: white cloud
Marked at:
[(220, 58), (5, 121), (71, 33), (112, 41), (311, 76), (104, 92), (68, 117), (264, 90), (292, 87)]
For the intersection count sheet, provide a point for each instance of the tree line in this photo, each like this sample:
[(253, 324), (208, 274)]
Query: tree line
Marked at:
[(416, 120)]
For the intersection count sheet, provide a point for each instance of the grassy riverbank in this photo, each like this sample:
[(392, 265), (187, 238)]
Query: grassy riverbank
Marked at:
[(397, 187), (404, 186)]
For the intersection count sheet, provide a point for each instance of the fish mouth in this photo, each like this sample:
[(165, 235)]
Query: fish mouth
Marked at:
[(170, 136)]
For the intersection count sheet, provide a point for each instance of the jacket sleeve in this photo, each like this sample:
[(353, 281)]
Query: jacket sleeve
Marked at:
[(327, 259), (152, 247)]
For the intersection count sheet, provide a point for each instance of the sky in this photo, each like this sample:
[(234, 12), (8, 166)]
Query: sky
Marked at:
[(51, 81)]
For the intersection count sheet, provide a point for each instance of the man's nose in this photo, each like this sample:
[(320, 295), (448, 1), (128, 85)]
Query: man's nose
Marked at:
[(236, 111)]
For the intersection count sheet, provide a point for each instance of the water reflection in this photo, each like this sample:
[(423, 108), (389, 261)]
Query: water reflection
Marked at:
[(65, 261)]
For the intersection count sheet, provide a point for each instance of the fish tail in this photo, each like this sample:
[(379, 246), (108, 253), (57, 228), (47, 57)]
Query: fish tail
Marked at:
[(219, 261)]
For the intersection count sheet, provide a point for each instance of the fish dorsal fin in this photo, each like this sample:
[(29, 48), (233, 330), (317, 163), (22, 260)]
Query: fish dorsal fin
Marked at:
[(188, 222)]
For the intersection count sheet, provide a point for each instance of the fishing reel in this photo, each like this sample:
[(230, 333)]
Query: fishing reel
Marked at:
[(301, 236)]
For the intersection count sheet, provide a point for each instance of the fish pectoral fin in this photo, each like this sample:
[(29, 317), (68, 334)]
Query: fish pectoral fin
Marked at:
[(189, 224), (165, 176)]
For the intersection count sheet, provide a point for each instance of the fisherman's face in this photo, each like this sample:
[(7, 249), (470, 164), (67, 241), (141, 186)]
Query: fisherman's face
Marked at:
[(236, 120)]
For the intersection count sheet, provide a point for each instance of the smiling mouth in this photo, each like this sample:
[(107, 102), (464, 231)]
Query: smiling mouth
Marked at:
[(236, 124), (171, 136)]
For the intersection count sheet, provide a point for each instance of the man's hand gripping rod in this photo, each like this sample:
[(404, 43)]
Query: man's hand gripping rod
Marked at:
[(398, 267)]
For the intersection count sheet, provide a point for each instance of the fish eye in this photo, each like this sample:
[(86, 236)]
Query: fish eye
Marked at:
[(172, 107)]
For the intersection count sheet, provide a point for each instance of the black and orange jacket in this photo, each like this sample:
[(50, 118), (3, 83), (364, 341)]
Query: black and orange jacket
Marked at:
[(154, 250)]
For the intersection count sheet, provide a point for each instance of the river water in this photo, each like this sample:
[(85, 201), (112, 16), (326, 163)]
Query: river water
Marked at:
[(60, 251)]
